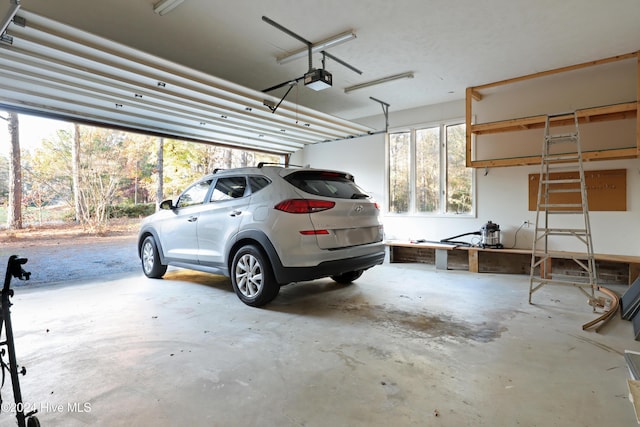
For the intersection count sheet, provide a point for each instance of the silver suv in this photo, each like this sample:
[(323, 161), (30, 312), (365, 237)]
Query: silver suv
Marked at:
[(265, 227)]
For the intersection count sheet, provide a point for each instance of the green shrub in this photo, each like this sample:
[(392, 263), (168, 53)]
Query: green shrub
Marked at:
[(132, 211)]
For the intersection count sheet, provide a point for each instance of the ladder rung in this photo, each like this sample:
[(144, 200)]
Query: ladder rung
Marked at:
[(561, 140), (566, 212), (563, 156), (573, 278), (562, 136), (566, 167), (561, 205), (563, 282), (565, 190), (567, 234), (542, 232), (560, 169), (562, 181), (562, 230), (556, 254), (561, 165)]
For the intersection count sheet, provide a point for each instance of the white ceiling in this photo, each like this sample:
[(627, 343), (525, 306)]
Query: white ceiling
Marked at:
[(449, 45)]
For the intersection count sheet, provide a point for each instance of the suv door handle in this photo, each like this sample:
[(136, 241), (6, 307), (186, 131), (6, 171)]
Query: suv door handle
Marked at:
[(235, 213), (192, 219)]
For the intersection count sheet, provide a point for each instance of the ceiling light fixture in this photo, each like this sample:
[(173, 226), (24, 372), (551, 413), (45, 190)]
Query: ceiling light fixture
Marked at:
[(408, 75), (165, 6), (317, 47)]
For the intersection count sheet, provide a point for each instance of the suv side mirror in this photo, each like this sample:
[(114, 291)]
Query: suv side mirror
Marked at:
[(167, 204)]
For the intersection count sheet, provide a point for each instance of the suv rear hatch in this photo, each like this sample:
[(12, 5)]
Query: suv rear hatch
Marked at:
[(353, 219)]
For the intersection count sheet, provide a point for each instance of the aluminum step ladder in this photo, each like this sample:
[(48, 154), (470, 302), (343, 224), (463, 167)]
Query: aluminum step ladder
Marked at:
[(562, 211)]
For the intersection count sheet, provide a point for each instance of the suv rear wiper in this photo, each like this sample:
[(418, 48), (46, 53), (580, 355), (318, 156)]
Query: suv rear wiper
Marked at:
[(359, 196)]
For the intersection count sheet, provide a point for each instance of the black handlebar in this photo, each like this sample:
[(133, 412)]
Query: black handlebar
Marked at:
[(14, 269)]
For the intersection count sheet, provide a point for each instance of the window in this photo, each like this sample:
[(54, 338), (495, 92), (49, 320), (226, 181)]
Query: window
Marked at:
[(459, 177), (427, 181), (257, 183), (229, 188), (195, 194), (427, 171), (327, 184), (399, 187)]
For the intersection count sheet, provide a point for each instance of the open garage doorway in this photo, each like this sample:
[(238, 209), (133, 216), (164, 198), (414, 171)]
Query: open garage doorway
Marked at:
[(113, 173)]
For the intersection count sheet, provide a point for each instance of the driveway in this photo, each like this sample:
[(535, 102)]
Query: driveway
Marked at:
[(72, 258)]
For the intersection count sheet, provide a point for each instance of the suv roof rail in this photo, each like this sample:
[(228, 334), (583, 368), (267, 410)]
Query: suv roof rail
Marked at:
[(261, 164), (216, 170)]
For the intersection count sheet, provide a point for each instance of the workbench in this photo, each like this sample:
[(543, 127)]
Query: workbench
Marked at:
[(620, 269)]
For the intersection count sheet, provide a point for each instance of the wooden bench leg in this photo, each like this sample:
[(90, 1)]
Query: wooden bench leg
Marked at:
[(545, 269), (634, 272), (473, 261)]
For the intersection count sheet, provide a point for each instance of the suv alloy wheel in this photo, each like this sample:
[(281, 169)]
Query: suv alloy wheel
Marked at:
[(252, 278)]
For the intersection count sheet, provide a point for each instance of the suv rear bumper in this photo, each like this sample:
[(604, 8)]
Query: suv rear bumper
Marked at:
[(285, 275)]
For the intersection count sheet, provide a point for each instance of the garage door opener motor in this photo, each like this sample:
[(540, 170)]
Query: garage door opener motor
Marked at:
[(14, 269)]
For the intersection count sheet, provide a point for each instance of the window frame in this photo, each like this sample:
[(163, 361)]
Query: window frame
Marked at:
[(443, 173)]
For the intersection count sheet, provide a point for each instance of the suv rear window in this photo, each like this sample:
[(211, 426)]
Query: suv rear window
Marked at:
[(327, 184)]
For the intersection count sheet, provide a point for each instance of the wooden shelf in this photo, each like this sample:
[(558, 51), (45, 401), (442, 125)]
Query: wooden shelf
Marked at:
[(612, 154), (591, 114), (626, 110)]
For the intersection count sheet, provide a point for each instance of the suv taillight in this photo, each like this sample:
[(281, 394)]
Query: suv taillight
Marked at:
[(303, 206)]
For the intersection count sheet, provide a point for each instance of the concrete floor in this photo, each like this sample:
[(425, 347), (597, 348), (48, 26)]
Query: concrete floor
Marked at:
[(405, 345)]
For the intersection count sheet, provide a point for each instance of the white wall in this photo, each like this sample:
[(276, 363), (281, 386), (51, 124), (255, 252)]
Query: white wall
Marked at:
[(363, 157), (501, 194)]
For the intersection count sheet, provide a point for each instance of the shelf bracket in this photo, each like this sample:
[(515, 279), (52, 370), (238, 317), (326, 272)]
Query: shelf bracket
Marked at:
[(476, 95)]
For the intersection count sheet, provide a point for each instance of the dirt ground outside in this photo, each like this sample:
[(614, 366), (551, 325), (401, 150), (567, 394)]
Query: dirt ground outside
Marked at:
[(65, 253)]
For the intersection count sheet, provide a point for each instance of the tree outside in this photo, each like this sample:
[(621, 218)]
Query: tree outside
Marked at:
[(428, 170), (399, 179), (459, 177), (94, 173), (14, 210)]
